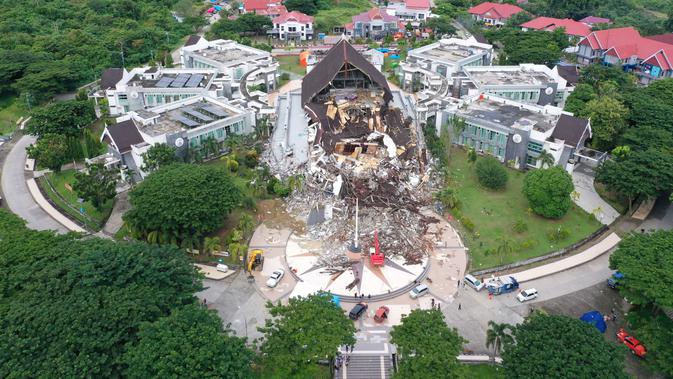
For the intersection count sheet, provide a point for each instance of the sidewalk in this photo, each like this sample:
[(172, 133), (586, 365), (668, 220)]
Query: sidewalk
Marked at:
[(587, 255), (51, 211), (589, 200)]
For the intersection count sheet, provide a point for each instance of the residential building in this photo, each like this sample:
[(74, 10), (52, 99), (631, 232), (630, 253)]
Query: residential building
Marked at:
[(145, 87), (376, 23), (269, 8), (375, 57), (293, 26), (527, 83), (649, 59), (196, 127), (234, 62), (494, 14), (572, 28), (414, 11), (516, 132), (428, 66), (593, 20)]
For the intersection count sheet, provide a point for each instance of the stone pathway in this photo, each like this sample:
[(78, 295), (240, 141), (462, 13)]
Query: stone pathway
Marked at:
[(589, 200)]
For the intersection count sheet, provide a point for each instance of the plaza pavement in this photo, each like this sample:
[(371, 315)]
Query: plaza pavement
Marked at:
[(589, 200)]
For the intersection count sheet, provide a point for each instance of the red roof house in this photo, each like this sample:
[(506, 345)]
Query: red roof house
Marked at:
[(648, 58), (270, 8), (294, 16), (494, 13), (593, 20), (292, 26), (572, 27)]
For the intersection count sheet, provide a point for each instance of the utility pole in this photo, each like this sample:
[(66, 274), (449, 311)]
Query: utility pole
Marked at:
[(121, 45), (355, 247)]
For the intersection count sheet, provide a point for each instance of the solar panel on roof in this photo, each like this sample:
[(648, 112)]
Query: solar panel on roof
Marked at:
[(180, 80), (214, 110), (164, 82), (194, 81), (198, 115), (189, 123)]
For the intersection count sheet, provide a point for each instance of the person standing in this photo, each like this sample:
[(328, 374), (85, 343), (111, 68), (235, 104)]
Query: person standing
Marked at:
[(459, 306)]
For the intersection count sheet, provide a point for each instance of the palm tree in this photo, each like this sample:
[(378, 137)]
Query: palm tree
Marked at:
[(447, 197), (498, 337), (230, 162), (505, 246), (471, 155), (211, 245), (246, 223), (211, 146), (545, 158)]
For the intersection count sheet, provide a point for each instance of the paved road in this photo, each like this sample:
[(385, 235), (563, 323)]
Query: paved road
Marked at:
[(589, 199), (16, 192), (477, 310), (661, 216)]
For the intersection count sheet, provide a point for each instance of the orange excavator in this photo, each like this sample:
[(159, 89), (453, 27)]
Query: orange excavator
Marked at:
[(375, 255)]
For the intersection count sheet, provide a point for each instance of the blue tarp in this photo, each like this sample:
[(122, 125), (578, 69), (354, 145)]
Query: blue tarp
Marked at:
[(336, 300), (595, 318), (218, 8), (383, 49), (394, 56)]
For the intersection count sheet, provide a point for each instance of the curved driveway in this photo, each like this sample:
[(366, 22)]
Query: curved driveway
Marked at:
[(17, 196)]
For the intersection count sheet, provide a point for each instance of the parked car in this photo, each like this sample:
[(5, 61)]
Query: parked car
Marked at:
[(526, 295), (613, 281), (381, 314), (222, 267), (637, 348), (473, 282), (419, 291), (275, 278), (357, 311)]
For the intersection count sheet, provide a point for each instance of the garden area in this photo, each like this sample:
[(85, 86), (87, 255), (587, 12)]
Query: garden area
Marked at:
[(290, 63), (10, 112), (339, 13), (483, 371), (58, 186), (489, 217)]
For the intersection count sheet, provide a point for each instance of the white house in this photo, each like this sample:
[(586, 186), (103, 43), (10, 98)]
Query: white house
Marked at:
[(292, 26), (410, 10)]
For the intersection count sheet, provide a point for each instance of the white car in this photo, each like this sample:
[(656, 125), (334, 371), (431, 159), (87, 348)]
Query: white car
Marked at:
[(419, 291), (275, 278), (526, 295), (222, 267)]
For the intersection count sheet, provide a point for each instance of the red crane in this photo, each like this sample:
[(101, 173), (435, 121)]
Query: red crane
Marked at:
[(375, 255)]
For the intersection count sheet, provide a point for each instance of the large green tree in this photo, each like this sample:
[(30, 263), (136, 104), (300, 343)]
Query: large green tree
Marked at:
[(302, 332), (548, 191), (491, 173), (97, 184), (67, 118), (190, 343), (638, 174), (579, 97), (426, 346), (50, 151), (181, 202), (69, 306), (608, 119), (529, 47), (645, 261), (157, 156), (560, 346)]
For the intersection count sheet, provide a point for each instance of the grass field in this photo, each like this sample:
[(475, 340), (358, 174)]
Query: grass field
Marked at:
[(484, 372), (10, 111), (66, 200), (290, 63), (340, 13), (495, 212)]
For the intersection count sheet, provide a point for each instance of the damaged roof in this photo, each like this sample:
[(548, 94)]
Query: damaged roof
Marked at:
[(325, 71)]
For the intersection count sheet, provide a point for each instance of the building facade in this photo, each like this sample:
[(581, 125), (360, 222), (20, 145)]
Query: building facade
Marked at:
[(195, 127), (414, 11), (376, 23), (293, 26)]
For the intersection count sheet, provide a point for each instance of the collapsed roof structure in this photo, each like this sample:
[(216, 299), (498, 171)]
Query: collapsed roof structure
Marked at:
[(365, 147)]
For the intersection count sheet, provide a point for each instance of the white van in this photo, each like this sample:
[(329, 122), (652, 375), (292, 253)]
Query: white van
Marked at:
[(419, 291), (473, 282)]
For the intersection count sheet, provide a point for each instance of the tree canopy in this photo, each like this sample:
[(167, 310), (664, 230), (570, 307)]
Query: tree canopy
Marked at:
[(532, 46), (189, 343), (554, 345), (608, 119), (548, 191), (50, 151), (49, 47), (97, 184), (427, 347), (68, 118), (158, 155), (69, 306), (180, 202), (491, 173), (645, 261), (302, 332)]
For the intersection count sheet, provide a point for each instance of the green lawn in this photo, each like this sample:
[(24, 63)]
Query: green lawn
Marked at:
[(290, 63), (494, 213), (10, 111), (483, 371), (340, 13), (66, 200)]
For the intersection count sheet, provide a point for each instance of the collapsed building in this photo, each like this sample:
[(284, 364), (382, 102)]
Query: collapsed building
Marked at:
[(364, 147)]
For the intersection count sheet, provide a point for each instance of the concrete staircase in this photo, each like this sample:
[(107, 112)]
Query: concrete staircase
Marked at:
[(366, 365)]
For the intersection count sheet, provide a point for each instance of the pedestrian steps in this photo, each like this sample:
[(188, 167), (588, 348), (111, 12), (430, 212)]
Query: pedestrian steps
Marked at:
[(366, 366)]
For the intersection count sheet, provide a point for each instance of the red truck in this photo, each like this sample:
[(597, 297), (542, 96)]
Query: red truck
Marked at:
[(375, 255), (632, 343)]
